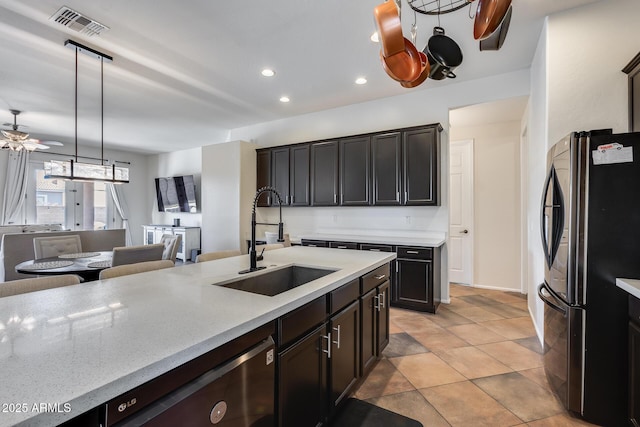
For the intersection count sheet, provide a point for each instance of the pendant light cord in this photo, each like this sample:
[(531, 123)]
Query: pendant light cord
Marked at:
[(76, 107), (102, 110)]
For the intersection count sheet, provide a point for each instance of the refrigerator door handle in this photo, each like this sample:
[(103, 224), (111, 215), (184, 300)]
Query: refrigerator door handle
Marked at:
[(544, 219), (547, 301)]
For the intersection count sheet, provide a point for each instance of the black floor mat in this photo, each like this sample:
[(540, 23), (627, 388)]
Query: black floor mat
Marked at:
[(357, 413)]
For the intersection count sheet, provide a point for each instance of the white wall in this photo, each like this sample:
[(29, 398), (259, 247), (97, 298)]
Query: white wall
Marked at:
[(176, 163), (416, 107), (228, 185), (496, 228)]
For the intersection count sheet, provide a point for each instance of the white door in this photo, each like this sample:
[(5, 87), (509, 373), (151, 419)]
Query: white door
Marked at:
[(461, 212)]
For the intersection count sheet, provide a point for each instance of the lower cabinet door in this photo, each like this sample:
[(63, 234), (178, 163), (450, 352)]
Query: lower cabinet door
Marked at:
[(368, 304), (382, 338), (344, 363), (302, 385), (413, 285)]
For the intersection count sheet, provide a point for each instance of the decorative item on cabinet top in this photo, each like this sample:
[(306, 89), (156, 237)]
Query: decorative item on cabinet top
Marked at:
[(398, 167)]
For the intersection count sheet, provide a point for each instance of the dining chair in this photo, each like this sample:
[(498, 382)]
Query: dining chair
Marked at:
[(47, 247), (22, 286), (210, 256), (133, 254), (272, 238), (268, 247), (172, 243), (138, 267)]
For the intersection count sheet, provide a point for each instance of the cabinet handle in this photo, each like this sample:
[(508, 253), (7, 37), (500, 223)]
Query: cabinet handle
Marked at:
[(312, 246), (397, 195), (374, 250), (328, 350), (406, 196), (413, 252), (341, 247), (380, 276), (269, 200), (335, 198), (292, 199), (381, 299), (338, 341), (376, 305)]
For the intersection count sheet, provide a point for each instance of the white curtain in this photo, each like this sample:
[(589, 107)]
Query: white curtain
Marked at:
[(15, 188), (121, 206)]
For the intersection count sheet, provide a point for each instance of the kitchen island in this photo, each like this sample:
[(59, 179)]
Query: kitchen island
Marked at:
[(74, 348)]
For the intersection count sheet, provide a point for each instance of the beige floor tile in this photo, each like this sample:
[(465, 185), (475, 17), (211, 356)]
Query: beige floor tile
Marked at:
[(384, 379), (447, 317), (506, 297), (413, 405), (523, 305), (393, 328), (512, 329), (562, 420), (475, 334), (426, 370), (538, 376), (473, 363), (465, 404), (513, 355), (438, 340), (456, 304), (521, 396), (461, 290), (507, 311), (479, 314), (411, 324)]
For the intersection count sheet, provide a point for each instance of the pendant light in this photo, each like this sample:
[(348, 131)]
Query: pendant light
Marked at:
[(72, 170)]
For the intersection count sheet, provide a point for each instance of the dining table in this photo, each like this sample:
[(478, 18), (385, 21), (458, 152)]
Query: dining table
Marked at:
[(87, 265)]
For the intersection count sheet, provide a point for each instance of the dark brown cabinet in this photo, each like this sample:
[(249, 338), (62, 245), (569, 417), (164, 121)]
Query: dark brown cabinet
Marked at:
[(355, 171), (343, 245), (324, 173), (280, 175), (633, 70), (319, 348), (299, 175), (420, 160), (417, 284), (302, 382), (344, 356), (375, 325), (400, 167), (387, 168), (634, 361), (263, 175)]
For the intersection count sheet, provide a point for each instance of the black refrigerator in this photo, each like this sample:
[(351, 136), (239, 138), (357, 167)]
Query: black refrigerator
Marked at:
[(591, 235)]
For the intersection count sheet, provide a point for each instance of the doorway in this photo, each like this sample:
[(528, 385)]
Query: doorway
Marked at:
[(461, 212)]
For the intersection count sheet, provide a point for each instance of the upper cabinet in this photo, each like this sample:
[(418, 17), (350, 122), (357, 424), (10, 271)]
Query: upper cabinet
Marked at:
[(387, 168), (394, 168), (355, 171), (421, 166), (299, 175), (324, 173), (633, 70), (263, 175)]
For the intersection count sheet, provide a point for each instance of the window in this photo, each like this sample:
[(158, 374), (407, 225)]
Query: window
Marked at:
[(74, 205)]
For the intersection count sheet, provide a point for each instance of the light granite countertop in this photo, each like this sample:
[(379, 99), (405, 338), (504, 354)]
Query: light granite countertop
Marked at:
[(427, 241), (83, 345), (630, 285)]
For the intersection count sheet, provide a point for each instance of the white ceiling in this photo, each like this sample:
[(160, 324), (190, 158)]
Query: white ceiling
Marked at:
[(184, 73)]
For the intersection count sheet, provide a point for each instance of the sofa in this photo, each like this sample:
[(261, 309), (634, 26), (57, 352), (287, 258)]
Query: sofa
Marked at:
[(18, 247)]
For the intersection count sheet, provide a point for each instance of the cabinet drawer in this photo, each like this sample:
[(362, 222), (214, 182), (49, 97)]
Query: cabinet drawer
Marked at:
[(409, 252), (300, 320), (314, 243), (634, 309), (376, 248), (375, 278), (344, 295), (343, 245)]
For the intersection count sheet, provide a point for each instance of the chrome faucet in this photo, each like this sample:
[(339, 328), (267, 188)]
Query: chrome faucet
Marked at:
[(252, 252)]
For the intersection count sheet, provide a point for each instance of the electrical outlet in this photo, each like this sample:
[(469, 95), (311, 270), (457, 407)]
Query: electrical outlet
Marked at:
[(407, 219)]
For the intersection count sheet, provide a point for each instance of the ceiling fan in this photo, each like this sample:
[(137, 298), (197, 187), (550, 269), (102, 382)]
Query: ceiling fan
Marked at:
[(17, 140)]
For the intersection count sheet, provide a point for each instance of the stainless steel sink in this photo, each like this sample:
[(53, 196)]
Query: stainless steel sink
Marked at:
[(277, 281)]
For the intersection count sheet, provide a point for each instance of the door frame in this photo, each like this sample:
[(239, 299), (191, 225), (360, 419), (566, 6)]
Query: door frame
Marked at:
[(469, 142)]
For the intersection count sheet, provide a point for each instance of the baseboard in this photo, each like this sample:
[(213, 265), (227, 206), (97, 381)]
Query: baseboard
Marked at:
[(445, 301), (535, 326), (498, 288)]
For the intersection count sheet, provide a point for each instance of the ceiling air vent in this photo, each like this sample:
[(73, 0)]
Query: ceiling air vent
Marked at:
[(77, 21)]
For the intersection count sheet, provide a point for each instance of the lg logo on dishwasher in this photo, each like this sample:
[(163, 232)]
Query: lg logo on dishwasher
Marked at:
[(124, 405)]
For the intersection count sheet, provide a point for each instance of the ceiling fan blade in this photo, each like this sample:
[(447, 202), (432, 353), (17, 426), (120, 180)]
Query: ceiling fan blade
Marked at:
[(52, 143), (34, 145), (17, 125)]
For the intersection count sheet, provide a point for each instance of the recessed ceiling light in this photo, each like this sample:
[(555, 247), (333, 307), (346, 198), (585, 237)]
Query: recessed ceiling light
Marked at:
[(284, 99), (361, 81), (268, 72), (374, 37)]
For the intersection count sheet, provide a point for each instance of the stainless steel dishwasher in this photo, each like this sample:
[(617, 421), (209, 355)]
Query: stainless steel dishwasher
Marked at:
[(237, 393)]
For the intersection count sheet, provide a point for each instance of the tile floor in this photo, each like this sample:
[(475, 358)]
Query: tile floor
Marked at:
[(477, 362)]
